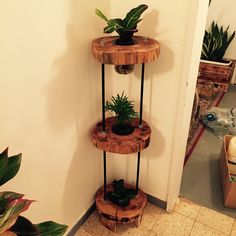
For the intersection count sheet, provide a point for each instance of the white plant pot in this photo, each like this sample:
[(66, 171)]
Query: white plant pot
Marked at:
[(217, 63)]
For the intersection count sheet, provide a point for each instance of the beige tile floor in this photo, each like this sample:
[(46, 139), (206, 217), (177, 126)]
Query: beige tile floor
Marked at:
[(186, 219)]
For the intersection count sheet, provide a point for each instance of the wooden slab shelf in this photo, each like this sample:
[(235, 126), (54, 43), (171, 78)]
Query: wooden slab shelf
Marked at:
[(144, 50), (111, 214), (126, 144)]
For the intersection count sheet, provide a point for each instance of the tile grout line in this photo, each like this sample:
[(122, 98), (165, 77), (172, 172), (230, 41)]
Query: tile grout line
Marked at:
[(232, 227)]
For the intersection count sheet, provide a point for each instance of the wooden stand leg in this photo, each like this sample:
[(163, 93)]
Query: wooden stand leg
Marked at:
[(110, 224)]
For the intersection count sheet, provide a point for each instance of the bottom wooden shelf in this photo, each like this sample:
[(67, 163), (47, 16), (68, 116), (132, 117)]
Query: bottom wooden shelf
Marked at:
[(111, 214)]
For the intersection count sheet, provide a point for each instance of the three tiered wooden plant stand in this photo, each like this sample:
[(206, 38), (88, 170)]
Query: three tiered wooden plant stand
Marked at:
[(106, 52)]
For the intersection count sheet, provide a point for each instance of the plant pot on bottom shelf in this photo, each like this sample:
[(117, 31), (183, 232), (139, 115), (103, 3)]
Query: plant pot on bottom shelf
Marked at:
[(112, 214)]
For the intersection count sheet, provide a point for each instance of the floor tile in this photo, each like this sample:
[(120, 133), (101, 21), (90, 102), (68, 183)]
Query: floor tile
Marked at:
[(150, 215), (173, 224), (234, 229), (130, 229), (82, 232), (202, 229), (187, 208), (215, 219), (94, 227)]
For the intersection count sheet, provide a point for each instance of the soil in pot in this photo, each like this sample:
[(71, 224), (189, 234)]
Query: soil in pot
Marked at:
[(123, 129)]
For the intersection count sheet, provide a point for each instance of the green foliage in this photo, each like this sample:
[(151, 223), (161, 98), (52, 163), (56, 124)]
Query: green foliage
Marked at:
[(9, 166), (128, 23), (123, 108), (12, 205), (216, 42)]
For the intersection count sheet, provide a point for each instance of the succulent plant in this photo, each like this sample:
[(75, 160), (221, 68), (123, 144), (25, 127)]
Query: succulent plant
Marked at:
[(215, 42)]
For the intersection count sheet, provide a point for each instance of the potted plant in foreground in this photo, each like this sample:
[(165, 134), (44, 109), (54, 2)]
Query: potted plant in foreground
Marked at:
[(124, 27), (213, 65), (13, 204), (125, 114)]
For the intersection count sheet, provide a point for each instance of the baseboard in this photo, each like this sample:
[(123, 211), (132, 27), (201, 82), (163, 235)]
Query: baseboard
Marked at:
[(81, 221), (156, 201), (151, 199)]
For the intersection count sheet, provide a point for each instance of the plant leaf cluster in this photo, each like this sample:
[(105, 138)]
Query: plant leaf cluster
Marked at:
[(121, 195), (128, 23), (122, 107), (215, 42), (13, 204)]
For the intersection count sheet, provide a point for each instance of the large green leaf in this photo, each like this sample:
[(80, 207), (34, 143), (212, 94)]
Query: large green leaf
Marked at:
[(6, 198), (113, 25), (132, 17), (3, 162), (12, 168), (101, 15), (13, 210), (50, 228), (24, 227)]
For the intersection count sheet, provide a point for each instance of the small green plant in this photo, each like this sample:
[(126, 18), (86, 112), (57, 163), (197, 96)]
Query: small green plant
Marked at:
[(13, 204), (215, 42), (128, 23), (125, 113), (123, 108)]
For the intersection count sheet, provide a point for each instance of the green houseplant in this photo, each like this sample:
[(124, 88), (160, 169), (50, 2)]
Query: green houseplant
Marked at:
[(213, 66), (125, 114), (13, 204), (124, 27), (215, 43)]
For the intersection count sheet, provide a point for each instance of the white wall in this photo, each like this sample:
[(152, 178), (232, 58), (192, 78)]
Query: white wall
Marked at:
[(167, 23), (50, 99), (223, 12), (49, 89)]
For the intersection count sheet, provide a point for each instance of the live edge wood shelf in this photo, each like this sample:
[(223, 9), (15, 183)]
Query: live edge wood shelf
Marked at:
[(106, 51)]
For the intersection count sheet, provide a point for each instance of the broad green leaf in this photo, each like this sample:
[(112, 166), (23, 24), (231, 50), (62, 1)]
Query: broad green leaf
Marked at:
[(113, 25), (101, 15), (12, 168), (6, 198), (24, 227), (3, 162), (13, 210), (132, 17), (50, 228)]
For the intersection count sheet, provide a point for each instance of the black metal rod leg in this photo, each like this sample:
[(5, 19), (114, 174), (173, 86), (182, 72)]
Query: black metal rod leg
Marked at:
[(103, 98), (105, 174), (141, 95), (137, 177)]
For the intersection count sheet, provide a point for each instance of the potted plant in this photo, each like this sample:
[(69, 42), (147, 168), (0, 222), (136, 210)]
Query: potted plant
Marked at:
[(121, 195), (125, 113), (13, 204), (124, 27), (213, 65)]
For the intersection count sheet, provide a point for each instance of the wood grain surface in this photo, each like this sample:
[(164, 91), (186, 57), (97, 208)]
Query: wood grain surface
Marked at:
[(112, 214), (144, 50), (125, 144)]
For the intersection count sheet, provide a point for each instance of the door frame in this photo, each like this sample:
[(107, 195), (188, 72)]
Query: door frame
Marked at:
[(195, 31)]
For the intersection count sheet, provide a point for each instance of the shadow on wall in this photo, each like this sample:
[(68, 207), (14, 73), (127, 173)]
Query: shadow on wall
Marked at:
[(74, 101)]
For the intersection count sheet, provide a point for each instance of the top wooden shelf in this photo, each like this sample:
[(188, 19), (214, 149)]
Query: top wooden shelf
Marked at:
[(144, 50)]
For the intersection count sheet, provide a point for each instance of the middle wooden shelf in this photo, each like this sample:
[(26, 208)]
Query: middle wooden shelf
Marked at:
[(122, 144)]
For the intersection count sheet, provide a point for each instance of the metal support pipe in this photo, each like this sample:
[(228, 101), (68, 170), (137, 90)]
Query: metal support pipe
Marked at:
[(141, 96), (137, 177), (105, 174), (103, 98)]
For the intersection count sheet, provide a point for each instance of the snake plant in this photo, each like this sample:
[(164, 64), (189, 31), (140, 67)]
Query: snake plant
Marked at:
[(215, 42), (13, 204), (128, 23)]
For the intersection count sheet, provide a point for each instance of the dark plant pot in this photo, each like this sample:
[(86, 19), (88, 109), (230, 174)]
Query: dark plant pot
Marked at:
[(125, 37), (122, 129)]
